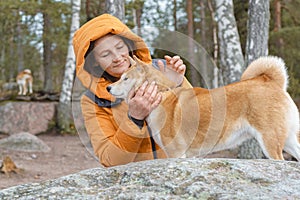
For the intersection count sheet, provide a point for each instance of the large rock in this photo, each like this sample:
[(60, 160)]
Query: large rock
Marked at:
[(172, 179), (24, 142), (32, 117)]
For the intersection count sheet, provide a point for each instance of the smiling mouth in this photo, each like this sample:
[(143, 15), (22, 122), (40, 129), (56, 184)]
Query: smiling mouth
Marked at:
[(120, 64)]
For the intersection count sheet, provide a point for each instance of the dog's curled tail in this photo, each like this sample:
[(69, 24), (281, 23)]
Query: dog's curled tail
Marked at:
[(271, 66)]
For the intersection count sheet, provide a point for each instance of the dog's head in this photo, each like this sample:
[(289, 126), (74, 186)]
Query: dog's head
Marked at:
[(135, 76), (27, 71)]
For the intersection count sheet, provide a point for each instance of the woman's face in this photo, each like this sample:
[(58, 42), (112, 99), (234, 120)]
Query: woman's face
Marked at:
[(111, 53)]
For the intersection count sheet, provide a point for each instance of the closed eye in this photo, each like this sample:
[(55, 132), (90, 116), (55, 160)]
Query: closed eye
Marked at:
[(120, 47), (126, 78)]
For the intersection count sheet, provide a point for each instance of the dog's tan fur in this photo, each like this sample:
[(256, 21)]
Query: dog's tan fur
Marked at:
[(197, 121), (24, 80)]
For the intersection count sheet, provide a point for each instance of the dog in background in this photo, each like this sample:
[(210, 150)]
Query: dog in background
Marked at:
[(24, 81), (196, 121)]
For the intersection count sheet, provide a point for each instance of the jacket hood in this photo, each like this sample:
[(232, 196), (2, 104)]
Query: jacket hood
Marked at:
[(93, 30)]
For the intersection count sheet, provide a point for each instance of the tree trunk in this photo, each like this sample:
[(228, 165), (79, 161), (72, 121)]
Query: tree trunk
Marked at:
[(175, 14), (137, 13), (47, 54), (277, 14), (88, 10), (64, 115), (231, 55), (20, 48), (256, 46), (93, 8), (116, 8), (2, 71), (215, 82), (258, 30), (205, 71), (101, 9), (277, 27), (195, 80), (11, 56)]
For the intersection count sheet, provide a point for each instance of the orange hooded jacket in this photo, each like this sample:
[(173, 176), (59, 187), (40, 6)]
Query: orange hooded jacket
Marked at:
[(115, 138)]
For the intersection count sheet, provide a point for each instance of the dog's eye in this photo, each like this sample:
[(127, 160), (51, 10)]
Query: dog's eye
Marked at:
[(125, 78)]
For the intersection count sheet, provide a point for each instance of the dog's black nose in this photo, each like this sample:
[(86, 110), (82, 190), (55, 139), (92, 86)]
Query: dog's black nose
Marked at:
[(108, 88)]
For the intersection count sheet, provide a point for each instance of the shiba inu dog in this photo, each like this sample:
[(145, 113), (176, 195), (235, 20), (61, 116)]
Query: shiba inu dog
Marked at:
[(24, 81), (197, 121)]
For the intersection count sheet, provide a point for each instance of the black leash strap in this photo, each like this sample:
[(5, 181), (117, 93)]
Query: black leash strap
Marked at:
[(102, 102), (152, 143)]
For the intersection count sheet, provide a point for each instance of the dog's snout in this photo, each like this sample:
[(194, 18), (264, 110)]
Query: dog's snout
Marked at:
[(108, 88)]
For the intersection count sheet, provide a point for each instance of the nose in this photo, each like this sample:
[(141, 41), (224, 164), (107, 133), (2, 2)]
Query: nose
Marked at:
[(108, 88), (116, 59), (117, 56)]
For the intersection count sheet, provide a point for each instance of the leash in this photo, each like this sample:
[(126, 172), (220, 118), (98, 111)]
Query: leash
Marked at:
[(152, 143), (102, 102)]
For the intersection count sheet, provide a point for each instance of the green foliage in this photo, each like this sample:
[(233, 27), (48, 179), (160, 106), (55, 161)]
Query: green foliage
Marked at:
[(285, 43), (130, 8), (27, 16), (290, 13), (21, 30), (10, 31)]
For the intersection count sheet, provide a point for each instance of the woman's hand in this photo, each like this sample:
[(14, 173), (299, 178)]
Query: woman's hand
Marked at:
[(143, 101), (174, 70)]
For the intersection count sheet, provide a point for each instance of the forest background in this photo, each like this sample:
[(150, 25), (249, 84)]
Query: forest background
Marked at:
[(35, 34)]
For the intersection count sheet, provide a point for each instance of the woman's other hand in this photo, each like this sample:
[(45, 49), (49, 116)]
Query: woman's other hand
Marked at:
[(174, 70)]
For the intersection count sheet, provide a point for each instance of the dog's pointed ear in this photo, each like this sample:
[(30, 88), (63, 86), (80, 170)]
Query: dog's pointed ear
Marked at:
[(132, 61), (138, 64), (136, 59)]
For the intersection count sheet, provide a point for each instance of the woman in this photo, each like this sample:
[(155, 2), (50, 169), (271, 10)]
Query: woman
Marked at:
[(117, 130)]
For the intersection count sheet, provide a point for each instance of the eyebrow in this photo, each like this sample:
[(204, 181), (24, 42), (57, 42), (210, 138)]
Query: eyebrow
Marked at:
[(105, 50), (121, 41)]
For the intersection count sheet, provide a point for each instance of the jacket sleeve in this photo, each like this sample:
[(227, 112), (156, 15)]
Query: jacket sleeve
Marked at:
[(113, 144)]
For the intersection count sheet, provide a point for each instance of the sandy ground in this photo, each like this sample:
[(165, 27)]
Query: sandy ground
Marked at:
[(68, 155)]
